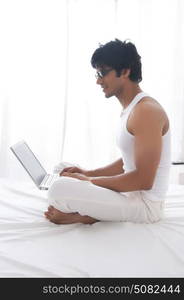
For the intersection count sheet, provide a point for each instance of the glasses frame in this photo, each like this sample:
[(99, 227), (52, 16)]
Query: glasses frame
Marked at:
[(102, 73)]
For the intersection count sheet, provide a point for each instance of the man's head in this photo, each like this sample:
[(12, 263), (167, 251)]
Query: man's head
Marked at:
[(116, 61)]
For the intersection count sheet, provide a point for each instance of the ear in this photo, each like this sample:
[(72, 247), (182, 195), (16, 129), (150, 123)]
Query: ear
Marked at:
[(125, 73)]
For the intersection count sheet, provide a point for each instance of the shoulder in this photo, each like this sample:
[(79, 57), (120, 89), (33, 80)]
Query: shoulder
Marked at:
[(148, 113), (148, 107)]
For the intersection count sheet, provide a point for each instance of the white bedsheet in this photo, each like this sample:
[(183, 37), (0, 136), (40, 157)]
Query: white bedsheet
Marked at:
[(31, 246)]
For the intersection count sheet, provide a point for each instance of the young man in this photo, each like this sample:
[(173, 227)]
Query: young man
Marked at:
[(133, 187)]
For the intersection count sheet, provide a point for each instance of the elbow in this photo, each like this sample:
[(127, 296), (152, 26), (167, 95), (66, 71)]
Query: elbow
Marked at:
[(145, 180), (147, 187)]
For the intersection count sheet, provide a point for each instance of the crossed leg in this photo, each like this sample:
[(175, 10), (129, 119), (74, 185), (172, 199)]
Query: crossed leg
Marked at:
[(58, 217)]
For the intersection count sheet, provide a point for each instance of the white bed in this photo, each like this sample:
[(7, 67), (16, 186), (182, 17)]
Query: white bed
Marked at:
[(31, 246)]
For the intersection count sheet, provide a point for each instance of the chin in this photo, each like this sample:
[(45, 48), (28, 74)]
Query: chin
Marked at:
[(108, 95)]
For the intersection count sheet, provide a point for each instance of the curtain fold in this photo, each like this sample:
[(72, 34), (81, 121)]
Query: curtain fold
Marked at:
[(48, 91)]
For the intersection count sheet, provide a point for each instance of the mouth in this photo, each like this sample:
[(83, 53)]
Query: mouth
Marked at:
[(104, 88)]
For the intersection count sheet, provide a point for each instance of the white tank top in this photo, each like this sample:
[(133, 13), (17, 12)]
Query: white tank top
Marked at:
[(125, 141)]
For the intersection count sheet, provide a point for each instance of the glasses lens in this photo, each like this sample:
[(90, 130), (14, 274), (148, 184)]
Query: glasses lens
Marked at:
[(102, 73)]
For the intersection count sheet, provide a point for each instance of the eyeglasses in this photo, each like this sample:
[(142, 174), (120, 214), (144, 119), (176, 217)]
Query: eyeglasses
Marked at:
[(102, 73)]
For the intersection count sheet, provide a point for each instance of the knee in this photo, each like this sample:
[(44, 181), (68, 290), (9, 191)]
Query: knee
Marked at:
[(60, 193), (63, 188), (57, 189)]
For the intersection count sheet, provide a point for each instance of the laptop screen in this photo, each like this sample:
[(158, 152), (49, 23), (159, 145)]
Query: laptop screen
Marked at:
[(29, 161)]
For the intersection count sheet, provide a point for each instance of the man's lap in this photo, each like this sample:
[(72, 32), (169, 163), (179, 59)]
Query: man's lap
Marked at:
[(71, 195)]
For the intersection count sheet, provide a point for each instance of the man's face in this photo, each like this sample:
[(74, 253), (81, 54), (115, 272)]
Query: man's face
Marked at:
[(110, 83)]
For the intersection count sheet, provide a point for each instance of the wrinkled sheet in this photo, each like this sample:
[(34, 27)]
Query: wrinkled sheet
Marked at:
[(31, 246)]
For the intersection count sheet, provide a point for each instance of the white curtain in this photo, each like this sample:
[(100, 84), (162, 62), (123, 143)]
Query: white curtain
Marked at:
[(48, 92)]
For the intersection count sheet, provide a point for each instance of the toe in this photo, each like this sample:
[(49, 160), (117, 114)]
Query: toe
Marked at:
[(50, 208), (47, 215)]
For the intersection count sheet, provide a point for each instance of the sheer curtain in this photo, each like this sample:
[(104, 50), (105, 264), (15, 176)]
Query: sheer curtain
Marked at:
[(48, 92)]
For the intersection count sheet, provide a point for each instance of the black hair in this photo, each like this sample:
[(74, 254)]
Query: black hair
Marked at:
[(119, 55)]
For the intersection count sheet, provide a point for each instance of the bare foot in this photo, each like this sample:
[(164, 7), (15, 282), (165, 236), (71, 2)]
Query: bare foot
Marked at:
[(58, 217)]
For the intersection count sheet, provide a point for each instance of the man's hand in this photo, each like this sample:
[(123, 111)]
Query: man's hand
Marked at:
[(79, 176), (72, 170)]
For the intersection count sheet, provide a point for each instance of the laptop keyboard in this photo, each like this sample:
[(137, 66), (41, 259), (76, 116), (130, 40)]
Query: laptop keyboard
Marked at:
[(49, 179)]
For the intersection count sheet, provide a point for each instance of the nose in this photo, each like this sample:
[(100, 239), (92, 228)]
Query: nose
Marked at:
[(99, 81)]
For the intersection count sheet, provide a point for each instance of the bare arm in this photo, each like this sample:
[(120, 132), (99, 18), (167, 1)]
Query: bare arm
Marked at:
[(148, 125), (110, 170), (114, 168)]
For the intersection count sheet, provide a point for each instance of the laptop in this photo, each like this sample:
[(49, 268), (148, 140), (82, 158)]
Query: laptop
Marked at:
[(32, 165)]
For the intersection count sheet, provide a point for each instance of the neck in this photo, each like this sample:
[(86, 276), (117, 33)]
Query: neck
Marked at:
[(128, 94)]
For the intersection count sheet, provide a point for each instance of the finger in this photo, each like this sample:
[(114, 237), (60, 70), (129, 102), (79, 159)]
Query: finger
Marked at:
[(64, 170), (72, 170), (67, 174), (68, 169), (61, 173)]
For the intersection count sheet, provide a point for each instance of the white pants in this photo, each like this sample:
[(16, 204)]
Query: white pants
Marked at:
[(72, 195)]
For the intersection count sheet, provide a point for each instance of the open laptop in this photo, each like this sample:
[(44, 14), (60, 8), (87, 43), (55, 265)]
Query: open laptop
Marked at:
[(32, 165)]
